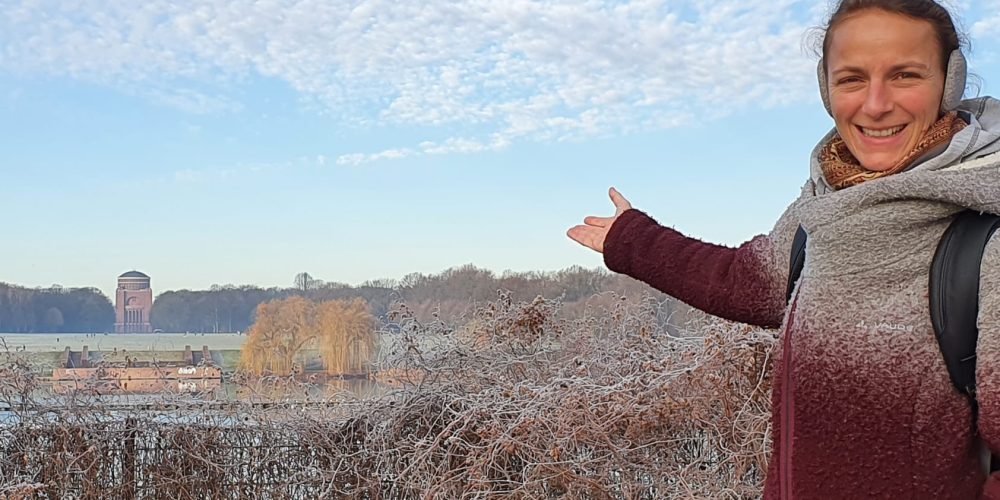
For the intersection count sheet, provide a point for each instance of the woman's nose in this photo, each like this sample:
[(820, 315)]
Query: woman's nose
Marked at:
[(878, 101)]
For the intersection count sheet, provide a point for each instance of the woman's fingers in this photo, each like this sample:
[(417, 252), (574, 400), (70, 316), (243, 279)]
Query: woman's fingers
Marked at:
[(598, 221), (594, 230), (588, 236), (621, 204)]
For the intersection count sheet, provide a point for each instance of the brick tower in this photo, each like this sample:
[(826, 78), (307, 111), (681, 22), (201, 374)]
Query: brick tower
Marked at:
[(133, 302)]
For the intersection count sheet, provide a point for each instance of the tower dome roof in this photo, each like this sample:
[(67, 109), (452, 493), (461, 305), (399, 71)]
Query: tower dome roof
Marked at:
[(134, 274)]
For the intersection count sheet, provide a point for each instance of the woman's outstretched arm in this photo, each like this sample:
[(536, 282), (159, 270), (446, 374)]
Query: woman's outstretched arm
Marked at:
[(745, 284)]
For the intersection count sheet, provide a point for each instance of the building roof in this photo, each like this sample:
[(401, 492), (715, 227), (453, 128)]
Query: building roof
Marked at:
[(134, 274)]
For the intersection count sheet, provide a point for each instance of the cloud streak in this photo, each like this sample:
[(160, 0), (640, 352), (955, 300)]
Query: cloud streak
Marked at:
[(990, 25), (504, 72)]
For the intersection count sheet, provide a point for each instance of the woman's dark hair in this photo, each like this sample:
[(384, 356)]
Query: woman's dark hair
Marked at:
[(922, 10)]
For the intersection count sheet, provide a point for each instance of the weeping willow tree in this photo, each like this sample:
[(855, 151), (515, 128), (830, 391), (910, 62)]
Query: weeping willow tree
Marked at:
[(346, 336), (343, 331), (277, 338)]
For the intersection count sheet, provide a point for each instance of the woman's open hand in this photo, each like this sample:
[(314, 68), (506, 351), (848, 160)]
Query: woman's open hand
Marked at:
[(594, 230)]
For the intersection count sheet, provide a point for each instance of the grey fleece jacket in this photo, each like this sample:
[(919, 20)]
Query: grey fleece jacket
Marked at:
[(863, 406)]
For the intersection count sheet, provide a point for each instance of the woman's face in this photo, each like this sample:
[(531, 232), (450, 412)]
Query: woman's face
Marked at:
[(885, 80)]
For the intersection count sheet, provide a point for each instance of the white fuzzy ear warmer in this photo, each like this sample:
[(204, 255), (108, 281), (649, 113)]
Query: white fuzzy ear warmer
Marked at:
[(954, 82)]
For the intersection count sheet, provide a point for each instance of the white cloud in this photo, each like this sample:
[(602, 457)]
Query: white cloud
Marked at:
[(218, 175), (988, 26), (192, 176), (192, 101), (189, 176), (360, 158), (511, 70)]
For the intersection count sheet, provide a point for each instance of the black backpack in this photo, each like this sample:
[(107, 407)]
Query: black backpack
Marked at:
[(954, 294)]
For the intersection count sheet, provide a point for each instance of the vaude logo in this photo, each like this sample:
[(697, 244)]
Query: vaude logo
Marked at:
[(884, 326)]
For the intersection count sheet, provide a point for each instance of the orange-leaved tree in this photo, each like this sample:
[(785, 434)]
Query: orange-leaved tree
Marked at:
[(281, 331), (343, 331), (346, 335)]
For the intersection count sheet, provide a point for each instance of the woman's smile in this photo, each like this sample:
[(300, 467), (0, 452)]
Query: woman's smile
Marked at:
[(883, 133)]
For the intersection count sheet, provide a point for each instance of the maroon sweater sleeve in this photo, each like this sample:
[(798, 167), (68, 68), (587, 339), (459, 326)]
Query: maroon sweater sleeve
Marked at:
[(738, 284)]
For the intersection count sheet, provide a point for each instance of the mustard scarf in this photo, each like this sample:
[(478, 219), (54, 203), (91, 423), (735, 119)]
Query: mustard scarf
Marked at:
[(842, 169)]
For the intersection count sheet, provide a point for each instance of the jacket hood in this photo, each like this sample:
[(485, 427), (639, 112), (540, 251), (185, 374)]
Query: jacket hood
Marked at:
[(965, 174)]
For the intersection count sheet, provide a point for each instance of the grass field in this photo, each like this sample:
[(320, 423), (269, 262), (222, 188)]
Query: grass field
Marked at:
[(44, 350), (153, 342)]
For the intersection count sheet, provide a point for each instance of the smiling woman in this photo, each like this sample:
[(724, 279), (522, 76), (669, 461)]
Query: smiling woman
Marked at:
[(863, 404)]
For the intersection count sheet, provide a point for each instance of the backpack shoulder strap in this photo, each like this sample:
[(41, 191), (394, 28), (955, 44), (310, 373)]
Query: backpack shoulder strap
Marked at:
[(954, 294), (796, 261)]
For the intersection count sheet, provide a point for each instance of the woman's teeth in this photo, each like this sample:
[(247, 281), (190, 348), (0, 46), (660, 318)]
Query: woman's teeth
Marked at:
[(870, 132)]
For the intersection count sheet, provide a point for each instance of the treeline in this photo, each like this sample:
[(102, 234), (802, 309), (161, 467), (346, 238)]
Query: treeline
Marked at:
[(54, 310), (228, 308), (446, 295)]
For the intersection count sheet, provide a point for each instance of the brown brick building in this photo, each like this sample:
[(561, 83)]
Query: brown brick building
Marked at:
[(133, 303), (121, 373)]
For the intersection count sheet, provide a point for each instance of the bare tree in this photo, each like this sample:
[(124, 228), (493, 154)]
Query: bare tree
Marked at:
[(304, 282)]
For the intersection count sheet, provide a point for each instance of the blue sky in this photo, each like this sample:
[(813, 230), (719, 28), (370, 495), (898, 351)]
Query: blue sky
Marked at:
[(244, 141)]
